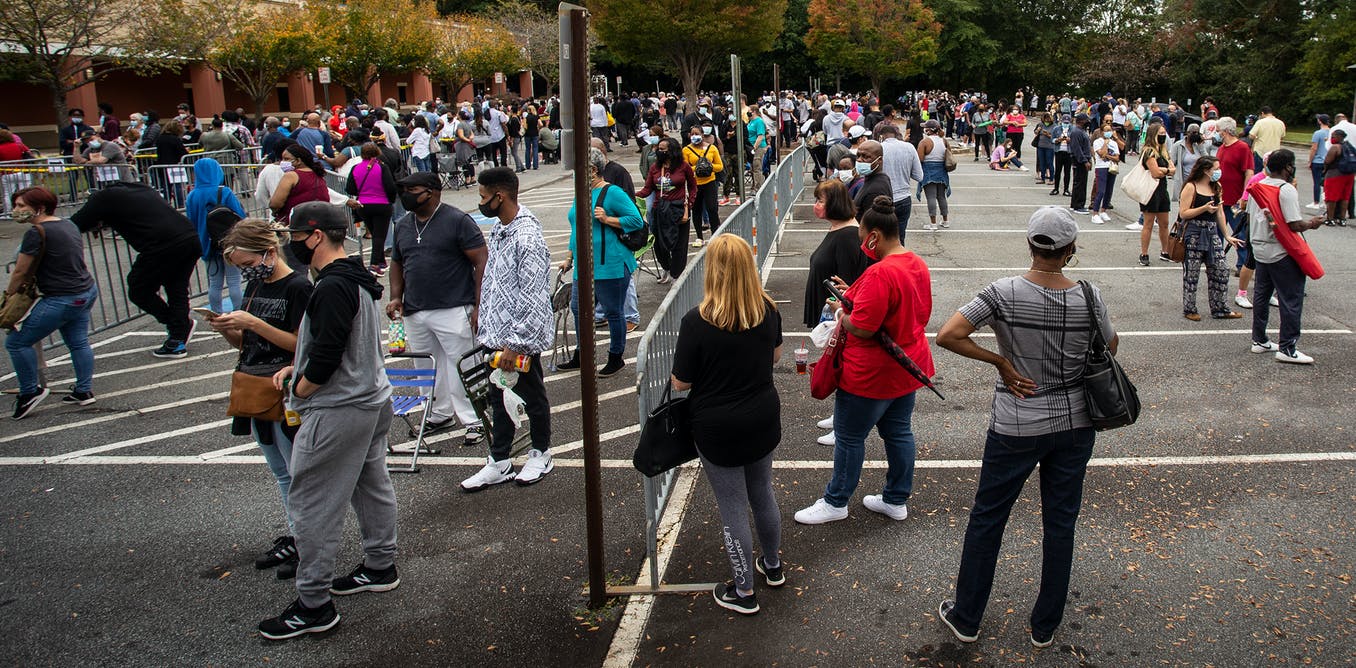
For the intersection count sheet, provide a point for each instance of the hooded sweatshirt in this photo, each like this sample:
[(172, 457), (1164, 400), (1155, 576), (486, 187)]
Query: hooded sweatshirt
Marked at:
[(339, 340), (140, 215), (833, 125), (207, 194)]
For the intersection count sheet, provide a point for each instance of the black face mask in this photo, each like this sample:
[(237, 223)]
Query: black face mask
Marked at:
[(301, 251), (410, 201), (485, 209), (661, 156)]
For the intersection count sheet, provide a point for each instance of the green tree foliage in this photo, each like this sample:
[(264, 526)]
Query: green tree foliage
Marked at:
[(537, 32), (688, 35), (1242, 53), (1325, 84), (365, 38), (472, 48), (261, 48), (788, 51), (879, 39), (63, 45)]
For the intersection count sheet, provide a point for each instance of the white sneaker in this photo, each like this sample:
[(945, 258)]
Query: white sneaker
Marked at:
[(1134, 227), (1273, 301), (1316, 205), (1097, 219), (1242, 301), (1265, 347), (876, 503), (826, 423), (821, 513), (1295, 357), (929, 227), (494, 473), (538, 464), (944, 224), (1025, 169), (826, 439)]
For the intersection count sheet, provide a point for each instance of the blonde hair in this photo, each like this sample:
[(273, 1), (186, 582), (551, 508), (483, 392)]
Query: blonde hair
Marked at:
[(735, 300), (251, 235)]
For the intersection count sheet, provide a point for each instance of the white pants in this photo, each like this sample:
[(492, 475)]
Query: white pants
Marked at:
[(446, 334)]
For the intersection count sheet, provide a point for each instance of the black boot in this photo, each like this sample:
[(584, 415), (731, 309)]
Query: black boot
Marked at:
[(570, 365), (614, 364)]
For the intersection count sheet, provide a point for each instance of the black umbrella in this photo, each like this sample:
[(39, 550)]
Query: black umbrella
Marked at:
[(890, 346)]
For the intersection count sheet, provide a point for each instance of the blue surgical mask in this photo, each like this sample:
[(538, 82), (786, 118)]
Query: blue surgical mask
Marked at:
[(863, 168), (1216, 175), (363, 112), (652, 140)]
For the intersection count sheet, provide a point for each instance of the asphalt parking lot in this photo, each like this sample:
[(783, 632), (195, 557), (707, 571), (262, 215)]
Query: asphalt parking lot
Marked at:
[(1216, 531)]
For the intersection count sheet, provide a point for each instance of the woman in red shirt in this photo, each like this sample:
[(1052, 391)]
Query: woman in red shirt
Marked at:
[(893, 295), (674, 185)]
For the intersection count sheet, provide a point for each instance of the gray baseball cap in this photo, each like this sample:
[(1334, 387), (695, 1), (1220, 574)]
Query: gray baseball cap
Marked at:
[(1051, 227)]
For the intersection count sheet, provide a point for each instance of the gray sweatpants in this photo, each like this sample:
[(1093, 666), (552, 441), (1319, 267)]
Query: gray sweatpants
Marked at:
[(737, 488), (339, 456)]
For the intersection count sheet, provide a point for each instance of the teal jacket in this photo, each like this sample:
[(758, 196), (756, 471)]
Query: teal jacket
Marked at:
[(620, 261)]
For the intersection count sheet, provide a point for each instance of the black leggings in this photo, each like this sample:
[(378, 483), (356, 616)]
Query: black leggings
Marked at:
[(377, 218), (985, 140), (706, 201)]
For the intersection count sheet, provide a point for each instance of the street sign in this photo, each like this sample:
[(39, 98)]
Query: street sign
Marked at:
[(499, 77), (323, 75)]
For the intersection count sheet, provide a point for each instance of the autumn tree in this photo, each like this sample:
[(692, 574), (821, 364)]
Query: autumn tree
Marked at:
[(260, 49), (689, 35), (878, 39), (64, 45), (472, 48), (364, 38)]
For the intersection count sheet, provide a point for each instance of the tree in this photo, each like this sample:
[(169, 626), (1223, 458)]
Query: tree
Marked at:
[(879, 39), (65, 45), (257, 49), (687, 34), (538, 32), (471, 49), (364, 38), (1325, 84)]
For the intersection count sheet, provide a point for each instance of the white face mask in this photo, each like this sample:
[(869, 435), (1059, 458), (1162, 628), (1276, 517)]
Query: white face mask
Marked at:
[(846, 175)]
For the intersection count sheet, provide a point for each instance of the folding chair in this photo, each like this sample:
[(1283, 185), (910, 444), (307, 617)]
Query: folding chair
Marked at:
[(560, 306), (407, 395), (474, 369)]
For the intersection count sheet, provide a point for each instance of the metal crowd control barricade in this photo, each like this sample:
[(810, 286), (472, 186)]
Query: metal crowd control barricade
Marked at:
[(654, 357)]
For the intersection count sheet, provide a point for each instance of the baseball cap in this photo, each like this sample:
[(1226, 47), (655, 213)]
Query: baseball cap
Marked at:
[(1049, 228), (858, 131), (1082, 117), (1322, 118), (932, 124), (426, 179), (312, 216), (836, 103)]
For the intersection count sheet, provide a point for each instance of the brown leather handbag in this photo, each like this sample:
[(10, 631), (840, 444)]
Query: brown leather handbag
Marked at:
[(255, 397)]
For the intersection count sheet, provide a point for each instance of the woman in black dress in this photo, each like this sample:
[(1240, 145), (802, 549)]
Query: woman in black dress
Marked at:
[(726, 349), (839, 254), (1156, 159)]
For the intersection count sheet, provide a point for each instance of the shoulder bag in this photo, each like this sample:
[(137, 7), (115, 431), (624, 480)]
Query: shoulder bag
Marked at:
[(254, 396), (1112, 399), (666, 438), (950, 158), (828, 371), (1138, 183), (15, 307)]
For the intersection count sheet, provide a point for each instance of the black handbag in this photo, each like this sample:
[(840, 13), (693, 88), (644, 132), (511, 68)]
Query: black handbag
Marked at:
[(666, 439), (1112, 399)]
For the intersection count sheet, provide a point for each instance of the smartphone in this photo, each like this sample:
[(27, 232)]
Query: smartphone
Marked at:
[(833, 290), (206, 313)]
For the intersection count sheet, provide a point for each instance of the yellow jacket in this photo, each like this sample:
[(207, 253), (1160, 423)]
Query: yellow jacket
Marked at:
[(712, 154)]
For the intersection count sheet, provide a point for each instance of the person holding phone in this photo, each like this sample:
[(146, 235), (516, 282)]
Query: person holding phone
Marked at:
[(264, 330), (1202, 215)]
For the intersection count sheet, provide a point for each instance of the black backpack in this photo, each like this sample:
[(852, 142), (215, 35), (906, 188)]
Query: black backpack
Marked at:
[(703, 168), (220, 220), (1347, 163)]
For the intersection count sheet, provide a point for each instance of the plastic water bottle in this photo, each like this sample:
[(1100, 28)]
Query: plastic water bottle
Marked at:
[(827, 313), (292, 417), (396, 337)]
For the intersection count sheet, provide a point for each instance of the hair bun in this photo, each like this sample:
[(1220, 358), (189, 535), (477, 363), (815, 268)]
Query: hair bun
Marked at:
[(883, 204)]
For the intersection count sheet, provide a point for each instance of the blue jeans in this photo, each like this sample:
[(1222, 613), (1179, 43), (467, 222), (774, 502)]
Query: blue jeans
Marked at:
[(611, 296), (853, 418), (1045, 163), (1008, 462), (279, 458), (531, 152), (220, 271), (902, 210), (70, 315), (631, 312), (1105, 182), (1316, 171), (1241, 232), (423, 164)]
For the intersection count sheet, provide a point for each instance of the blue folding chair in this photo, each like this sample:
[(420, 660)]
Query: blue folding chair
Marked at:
[(408, 387)]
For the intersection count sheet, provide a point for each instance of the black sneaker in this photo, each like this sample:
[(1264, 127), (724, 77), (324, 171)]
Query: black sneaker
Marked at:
[(474, 434), (615, 363), (726, 597), (1165, 257), (433, 426), (1041, 639), (287, 570), (571, 364), (944, 613), (1144, 260), (365, 579), (298, 619), (171, 348), (78, 398), (775, 577), (27, 403), (284, 550)]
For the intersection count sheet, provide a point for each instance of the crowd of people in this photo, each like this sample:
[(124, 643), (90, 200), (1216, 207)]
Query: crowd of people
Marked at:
[(307, 317)]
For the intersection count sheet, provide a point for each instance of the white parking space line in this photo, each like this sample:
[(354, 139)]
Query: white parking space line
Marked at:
[(116, 416), (145, 367), (57, 459)]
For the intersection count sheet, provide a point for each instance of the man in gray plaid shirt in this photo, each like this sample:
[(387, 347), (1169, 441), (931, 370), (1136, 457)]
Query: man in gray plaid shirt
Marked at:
[(516, 319)]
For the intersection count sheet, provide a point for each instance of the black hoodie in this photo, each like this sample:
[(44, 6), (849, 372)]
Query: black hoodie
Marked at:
[(138, 213)]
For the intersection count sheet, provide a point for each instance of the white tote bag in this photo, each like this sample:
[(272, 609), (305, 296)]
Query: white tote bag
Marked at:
[(1138, 183)]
